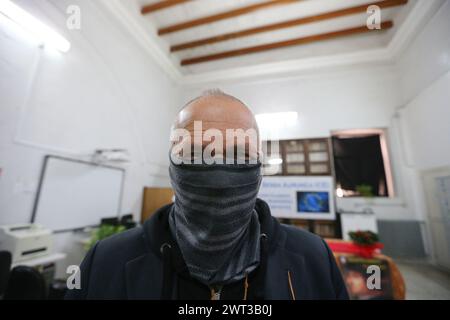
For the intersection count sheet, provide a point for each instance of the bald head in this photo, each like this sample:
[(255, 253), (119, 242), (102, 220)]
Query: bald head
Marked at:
[(218, 112)]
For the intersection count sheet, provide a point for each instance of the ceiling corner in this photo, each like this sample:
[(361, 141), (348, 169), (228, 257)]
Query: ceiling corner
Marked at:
[(147, 41)]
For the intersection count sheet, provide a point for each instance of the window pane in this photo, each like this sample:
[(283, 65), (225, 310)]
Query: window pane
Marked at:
[(296, 169), (295, 157), (293, 146), (318, 168), (317, 146), (318, 156)]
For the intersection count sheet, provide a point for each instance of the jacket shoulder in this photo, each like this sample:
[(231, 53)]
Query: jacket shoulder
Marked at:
[(124, 245), (101, 271), (303, 242)]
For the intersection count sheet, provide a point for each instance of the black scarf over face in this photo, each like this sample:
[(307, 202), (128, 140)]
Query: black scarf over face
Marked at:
[(214, 221)]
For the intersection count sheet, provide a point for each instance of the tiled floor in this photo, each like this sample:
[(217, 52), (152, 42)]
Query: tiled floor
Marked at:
[(424, 282)]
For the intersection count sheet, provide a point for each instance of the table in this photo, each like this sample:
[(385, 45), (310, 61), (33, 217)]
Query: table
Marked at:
[(395, 280), (38, 261)]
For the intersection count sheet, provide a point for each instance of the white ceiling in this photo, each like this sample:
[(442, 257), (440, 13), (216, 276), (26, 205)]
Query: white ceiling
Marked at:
[(200, 8), (368, 49)]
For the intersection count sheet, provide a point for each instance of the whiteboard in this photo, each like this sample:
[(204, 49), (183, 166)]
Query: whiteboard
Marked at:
[(75, 194)]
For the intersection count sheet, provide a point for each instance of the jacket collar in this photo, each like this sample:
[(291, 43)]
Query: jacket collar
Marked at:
[(144, 273), (157, 232)]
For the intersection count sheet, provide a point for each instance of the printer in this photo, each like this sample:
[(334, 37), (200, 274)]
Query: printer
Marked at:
[(25, 241)]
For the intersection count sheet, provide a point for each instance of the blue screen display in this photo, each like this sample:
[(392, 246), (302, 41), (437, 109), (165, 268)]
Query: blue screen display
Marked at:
[(313, 201)]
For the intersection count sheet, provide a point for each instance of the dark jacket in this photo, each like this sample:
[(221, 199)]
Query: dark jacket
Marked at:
[(142, 263)]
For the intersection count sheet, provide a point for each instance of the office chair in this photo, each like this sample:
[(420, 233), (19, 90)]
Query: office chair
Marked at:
[(5, 266), (127, 221), (114, 221), (26, 283)]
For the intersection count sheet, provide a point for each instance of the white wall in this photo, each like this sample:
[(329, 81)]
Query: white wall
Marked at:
[(426, 124), (105, 92), (324, 101), (424, 71), (424, 118)]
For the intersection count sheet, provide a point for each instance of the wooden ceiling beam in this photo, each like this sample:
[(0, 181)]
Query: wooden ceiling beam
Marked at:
[(223, 16), (161, 5), (287, 43), (287, 24)]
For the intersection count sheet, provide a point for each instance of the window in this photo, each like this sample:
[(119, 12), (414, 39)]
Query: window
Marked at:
[(361, 163), (300, 157)]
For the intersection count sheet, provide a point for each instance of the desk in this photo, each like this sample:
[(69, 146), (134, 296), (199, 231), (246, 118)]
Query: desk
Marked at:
[(38, 261), (353, 269)]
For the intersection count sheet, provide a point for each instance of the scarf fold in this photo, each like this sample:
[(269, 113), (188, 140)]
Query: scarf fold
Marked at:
[(214, 220)]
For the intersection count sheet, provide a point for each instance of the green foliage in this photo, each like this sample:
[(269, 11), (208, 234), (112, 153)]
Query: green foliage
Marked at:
[(104, 231), (364, 190), (363, 237)]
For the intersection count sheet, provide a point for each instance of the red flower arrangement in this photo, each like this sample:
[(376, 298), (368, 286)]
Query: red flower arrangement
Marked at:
[(365, 244), (363, 237)]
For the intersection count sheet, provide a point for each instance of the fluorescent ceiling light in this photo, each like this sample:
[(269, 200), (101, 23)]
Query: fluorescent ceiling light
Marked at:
[(275, 161), (276, 119), (42, 32)]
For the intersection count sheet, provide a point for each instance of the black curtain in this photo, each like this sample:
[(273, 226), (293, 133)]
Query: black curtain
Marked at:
[(359, 161)]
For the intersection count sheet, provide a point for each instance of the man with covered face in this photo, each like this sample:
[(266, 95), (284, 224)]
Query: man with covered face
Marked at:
[(217, 240)]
